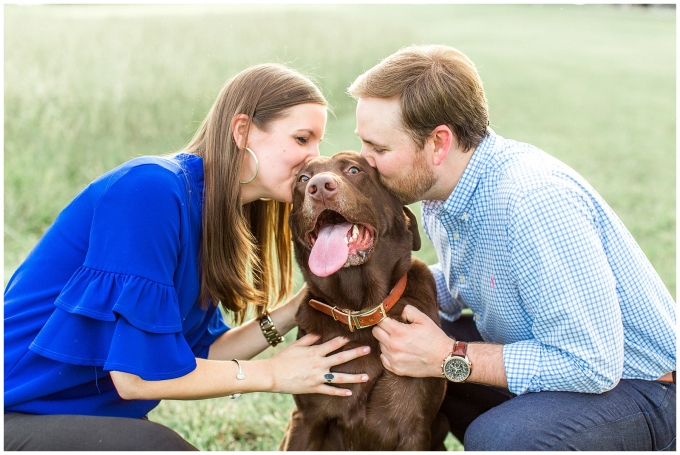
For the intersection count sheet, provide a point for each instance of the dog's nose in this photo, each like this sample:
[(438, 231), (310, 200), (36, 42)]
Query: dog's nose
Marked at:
[(322, 186)]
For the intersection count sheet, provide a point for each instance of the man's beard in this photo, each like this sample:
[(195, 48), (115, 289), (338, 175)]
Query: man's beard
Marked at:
[(415, 184)]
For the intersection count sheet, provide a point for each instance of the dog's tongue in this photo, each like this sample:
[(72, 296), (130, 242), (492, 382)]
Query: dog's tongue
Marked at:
[(330, 251)]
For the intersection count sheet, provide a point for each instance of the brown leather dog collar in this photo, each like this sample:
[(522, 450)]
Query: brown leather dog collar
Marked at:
[(365, 318)]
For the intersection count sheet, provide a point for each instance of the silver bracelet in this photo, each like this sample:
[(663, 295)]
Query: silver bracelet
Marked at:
[(240, 376)]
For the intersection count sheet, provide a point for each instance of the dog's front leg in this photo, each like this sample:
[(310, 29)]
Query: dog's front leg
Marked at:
[(439, 431), (303, 435), (293, 436), (418, 437)]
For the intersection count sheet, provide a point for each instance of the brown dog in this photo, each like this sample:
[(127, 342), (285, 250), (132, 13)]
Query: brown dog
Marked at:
[(353, 242)]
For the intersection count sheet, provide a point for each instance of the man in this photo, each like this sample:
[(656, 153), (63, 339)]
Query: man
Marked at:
[(573, 330)]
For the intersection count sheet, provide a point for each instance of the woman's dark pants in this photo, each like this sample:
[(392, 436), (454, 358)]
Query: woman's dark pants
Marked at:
[(75, 432)]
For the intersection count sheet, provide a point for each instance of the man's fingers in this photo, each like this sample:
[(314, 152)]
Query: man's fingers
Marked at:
[(409, 315), (412, 314), (380, 334), (385, 361), (388, 325)]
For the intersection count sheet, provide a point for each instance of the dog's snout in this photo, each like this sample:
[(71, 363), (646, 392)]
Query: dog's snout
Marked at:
[(322, 186)]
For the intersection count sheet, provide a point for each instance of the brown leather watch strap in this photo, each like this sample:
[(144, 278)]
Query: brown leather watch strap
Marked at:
[(459, 348), (362, 319)]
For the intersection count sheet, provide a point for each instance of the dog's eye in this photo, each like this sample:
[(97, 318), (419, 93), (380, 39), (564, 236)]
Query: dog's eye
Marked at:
[(303, 178), (353, 170)]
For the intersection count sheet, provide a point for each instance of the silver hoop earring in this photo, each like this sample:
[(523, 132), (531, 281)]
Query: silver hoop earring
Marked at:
[(257, 167)]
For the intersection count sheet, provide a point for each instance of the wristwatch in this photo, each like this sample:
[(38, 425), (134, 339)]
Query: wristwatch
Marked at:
[(456, 366), (269, 331)]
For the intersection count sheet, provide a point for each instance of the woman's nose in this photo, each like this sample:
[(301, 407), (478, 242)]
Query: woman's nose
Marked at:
[(313, 153)]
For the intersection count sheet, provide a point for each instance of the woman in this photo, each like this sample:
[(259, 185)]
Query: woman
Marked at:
[(116, 306)]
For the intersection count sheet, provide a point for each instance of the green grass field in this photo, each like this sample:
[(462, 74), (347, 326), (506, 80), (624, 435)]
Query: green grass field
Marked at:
[(89, 87)]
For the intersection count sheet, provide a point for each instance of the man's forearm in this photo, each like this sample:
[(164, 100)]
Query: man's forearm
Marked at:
[(419, 348), (487, 364)]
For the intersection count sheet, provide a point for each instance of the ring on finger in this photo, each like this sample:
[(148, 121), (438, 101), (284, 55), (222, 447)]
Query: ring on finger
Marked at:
[(329, 377)]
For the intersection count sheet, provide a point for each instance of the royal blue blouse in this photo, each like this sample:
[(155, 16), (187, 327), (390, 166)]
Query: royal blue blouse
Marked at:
[(112, 285)]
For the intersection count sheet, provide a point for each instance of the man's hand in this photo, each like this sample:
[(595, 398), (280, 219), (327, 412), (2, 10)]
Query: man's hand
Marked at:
[(415, 349)]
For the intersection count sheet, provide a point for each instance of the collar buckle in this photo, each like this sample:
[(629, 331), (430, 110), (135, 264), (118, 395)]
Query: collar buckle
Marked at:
[(353, 317)]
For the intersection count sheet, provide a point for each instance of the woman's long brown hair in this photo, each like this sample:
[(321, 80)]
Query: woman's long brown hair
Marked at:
[(246, 250)]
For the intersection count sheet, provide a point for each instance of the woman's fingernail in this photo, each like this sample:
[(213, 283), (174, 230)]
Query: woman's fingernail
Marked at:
[(364, 378), (367, 349), (348, 393)]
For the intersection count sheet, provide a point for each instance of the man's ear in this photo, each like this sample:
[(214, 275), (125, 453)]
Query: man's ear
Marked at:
[(442, 137), (412, 224), (239, 128)]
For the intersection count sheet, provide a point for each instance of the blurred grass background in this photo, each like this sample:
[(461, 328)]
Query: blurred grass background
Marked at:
[(88, 87)]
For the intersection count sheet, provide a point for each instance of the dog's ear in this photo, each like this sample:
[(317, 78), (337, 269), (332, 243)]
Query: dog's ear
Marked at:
[(412, 224)]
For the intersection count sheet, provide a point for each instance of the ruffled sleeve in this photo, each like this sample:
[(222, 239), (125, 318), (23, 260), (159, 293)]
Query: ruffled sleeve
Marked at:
[(120, 310), (212, 332)]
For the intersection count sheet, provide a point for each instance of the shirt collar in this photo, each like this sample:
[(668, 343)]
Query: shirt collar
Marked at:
[(459, 198)]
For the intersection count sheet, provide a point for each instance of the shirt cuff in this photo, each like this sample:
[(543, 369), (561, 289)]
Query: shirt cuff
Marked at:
[(522, 362)]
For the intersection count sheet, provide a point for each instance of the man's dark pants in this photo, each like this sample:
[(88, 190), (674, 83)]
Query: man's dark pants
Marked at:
[(635, 415)]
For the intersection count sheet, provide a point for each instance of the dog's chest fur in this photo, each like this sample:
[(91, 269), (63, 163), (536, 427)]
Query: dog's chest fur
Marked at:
[(353, 409)]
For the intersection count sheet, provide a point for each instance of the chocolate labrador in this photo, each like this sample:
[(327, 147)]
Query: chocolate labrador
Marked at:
[(353, 241)]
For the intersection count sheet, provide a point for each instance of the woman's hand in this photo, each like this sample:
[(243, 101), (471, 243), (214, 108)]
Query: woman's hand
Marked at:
[(300, 367)]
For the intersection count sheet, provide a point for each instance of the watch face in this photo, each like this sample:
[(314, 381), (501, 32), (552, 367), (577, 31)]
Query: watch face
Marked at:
[(457, 369)]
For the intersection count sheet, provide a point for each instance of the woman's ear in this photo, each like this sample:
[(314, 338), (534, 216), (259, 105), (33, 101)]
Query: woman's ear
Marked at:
[(239, 128)]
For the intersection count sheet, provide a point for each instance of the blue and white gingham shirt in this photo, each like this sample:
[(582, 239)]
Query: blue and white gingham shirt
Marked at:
[(550, 272)]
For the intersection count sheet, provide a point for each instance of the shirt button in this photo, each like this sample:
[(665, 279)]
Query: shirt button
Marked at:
[(465, 216), (477, 317), (461, 279), (456, 236)]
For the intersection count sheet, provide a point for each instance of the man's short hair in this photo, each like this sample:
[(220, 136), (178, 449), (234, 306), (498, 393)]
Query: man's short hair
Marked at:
[(435, 85)]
